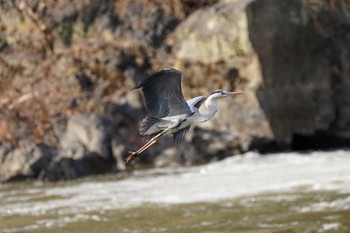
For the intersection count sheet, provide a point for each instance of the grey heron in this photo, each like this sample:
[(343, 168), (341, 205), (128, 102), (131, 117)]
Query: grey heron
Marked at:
[(167, 110)]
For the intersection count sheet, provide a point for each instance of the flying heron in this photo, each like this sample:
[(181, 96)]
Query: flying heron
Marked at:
[(167, 110)]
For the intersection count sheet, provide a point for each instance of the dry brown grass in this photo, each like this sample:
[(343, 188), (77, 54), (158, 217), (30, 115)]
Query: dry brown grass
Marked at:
[(38, 81)]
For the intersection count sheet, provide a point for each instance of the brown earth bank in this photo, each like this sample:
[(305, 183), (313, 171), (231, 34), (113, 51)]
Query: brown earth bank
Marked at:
[(66, 68)]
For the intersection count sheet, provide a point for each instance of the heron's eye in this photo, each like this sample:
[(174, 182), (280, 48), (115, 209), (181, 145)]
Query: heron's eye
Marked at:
[(222, 92)]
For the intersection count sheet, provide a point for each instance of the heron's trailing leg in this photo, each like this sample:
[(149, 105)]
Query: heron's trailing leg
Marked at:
[(132, 155)]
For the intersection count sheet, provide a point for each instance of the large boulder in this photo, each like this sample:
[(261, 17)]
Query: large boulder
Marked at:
[(85, 148), (89, 131), (304, 51)]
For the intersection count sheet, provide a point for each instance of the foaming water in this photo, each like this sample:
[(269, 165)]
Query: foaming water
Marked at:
[(238, 176), (242, 176)]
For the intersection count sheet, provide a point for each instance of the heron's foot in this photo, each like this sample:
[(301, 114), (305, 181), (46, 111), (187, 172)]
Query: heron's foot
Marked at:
[(131, 156)]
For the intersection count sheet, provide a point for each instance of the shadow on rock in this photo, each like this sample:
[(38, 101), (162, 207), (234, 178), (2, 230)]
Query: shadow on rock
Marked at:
[(66, 168)]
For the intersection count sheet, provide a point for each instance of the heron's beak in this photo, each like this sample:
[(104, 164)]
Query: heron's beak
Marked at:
[(235, 93)]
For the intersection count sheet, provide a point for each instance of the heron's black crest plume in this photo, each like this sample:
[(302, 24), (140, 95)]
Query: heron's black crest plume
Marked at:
[(216, 91)]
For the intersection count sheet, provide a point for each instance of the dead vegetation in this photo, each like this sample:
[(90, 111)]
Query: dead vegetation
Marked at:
[(60, 57)]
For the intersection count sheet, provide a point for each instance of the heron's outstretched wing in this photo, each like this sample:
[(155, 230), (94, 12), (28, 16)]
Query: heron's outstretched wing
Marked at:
[(180, 135), (163, 94)]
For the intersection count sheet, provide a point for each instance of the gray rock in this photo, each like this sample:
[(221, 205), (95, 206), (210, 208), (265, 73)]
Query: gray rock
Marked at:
[(214, 34), (201, 146), (25, 161), (304, 56), (85, 148), (88, 131), (214, 145)]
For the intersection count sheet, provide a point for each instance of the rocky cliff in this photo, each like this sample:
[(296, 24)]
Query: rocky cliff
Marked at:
[(66, 69)]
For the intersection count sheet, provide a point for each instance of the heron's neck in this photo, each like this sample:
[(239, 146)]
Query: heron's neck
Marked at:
[(209, 109)]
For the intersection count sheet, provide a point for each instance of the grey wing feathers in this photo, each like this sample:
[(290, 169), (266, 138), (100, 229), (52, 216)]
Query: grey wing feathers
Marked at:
[(163, 94), (147, 123), (180, 135)]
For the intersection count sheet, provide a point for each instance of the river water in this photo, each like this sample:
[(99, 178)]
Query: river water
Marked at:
[(251, 193)]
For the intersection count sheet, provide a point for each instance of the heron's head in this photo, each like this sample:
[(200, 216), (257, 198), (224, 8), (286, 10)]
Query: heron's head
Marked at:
[(221, 94)]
